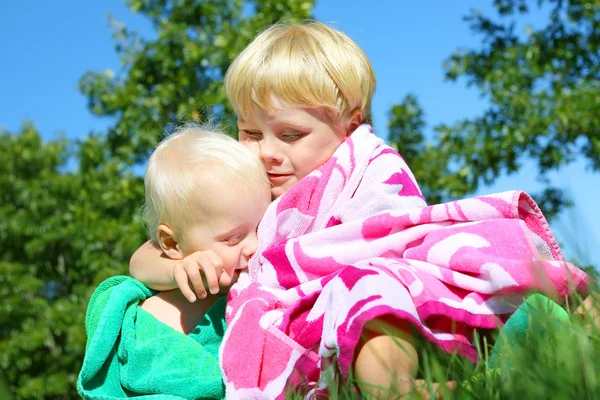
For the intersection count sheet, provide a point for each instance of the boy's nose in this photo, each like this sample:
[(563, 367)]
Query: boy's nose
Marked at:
[(268, 151)]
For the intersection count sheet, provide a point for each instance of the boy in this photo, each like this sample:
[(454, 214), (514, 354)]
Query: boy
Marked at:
[(337, 284), (205, 195)]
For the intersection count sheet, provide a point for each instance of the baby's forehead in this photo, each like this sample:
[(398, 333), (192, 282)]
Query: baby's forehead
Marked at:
[(213, 191)]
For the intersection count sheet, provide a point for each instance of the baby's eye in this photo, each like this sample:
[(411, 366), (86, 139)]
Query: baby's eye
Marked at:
[(234, 240)]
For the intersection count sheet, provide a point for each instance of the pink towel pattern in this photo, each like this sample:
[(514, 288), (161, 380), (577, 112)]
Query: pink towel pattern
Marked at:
[(355, 241)]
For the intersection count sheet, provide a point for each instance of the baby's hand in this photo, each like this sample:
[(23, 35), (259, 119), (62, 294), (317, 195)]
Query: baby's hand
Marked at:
[(192, 269)]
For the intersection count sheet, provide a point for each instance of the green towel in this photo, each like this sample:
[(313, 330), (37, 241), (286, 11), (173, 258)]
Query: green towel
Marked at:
[(518, 325), (129, 353)]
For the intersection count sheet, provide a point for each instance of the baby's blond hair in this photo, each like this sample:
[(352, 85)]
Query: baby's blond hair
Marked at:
[(303, 65), (183, 164)]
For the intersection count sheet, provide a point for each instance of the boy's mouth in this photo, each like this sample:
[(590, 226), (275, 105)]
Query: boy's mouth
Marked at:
[(277, 178)]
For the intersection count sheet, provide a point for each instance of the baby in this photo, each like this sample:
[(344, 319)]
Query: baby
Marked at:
[(205, 195)]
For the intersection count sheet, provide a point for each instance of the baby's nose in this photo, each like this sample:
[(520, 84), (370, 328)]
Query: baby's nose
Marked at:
[(250, 247), (249, 252)]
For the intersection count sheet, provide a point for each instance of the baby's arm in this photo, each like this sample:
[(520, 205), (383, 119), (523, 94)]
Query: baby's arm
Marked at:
[(201, 269)]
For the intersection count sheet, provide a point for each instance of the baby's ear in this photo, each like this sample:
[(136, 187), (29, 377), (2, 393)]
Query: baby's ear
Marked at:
[(167, 242)]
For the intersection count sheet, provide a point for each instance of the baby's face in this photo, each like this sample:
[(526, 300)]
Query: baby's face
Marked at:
[(229, 228), (291, 143)]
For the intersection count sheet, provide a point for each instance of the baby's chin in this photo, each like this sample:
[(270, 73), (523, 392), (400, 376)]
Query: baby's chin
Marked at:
[(234, 279)]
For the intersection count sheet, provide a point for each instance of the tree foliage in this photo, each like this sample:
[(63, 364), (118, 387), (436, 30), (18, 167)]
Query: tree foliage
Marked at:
[(543, 89), (69, 210), (177, 75), (62, 232)]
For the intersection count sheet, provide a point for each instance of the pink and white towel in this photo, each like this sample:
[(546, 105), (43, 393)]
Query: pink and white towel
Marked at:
[(355, 241)]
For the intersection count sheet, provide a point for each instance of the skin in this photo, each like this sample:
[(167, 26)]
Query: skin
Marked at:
[(293, 142), (219, 243), (174, 310), (386, 359)]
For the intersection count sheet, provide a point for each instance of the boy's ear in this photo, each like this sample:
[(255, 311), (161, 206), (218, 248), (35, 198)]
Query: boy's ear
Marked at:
[(168, 244), (354, 121)]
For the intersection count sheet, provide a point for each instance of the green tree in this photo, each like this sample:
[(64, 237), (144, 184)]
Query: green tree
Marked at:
[(63, 230), (543, 88), (69, 209), (177, 75)]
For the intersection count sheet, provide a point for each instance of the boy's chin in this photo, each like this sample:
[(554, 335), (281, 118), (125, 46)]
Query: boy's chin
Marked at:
[(277, 191)]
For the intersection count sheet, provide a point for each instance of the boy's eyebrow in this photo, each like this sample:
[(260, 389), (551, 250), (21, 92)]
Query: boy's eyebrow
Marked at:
[(250, 130), (291, 124)]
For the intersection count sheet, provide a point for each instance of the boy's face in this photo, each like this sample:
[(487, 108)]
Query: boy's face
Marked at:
[(229, 229), (291, 143)]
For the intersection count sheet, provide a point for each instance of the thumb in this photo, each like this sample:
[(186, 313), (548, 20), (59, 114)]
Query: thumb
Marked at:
[(224, 279)]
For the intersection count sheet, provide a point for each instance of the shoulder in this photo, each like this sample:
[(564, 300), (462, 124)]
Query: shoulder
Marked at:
[(111, 298), (172, 309)]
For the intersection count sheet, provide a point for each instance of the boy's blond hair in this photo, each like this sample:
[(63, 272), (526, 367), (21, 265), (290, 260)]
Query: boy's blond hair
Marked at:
[(303, 65), (184, 164)]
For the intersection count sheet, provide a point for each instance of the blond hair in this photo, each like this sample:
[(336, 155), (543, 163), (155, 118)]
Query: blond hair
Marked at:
[(303, 65), (183, 164)]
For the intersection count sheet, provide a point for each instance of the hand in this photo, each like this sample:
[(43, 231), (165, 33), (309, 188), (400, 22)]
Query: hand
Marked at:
[(200, 270)]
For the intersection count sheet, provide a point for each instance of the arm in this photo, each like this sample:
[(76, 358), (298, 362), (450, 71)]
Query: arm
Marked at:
[(150, 266), (199, 270)]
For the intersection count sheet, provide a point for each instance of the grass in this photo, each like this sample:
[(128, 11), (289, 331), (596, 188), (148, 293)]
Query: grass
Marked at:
[(554, 360)]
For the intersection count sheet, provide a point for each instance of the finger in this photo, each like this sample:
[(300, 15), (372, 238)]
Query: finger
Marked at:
[(216, 261), (210, 274), (225, 279), (182, 282), (195, 279)]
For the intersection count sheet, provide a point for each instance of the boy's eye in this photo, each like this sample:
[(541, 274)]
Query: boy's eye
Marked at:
[(292, 136), (256, 135)]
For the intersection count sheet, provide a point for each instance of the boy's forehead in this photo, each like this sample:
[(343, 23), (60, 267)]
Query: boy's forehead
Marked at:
[(268, 108), (274, 108), (297, 116)]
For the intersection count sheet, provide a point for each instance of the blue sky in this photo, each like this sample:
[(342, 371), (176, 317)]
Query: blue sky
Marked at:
[(48, 45)]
